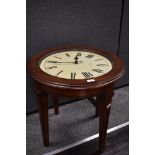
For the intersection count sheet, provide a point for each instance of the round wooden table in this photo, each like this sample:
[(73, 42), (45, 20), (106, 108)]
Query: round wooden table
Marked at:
[(100, 87)]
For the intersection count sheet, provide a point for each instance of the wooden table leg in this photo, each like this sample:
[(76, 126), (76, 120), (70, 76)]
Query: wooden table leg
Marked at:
[(42, 98), (97, 107), (95, 103), (104, 103), (55, 100)]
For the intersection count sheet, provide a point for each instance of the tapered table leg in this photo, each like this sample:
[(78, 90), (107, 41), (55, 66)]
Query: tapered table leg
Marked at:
[(97, 107), (95, 103), (55, 100), (42, 98), (104, 103)]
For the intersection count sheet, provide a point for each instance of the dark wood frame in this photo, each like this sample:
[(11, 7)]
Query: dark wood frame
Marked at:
[(102, 88)]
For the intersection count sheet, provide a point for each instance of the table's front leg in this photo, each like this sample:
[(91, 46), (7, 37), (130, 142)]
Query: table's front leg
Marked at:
[(42, 98), (104, 103)]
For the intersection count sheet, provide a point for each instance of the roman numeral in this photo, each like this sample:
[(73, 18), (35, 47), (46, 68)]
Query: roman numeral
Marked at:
[(102, 65), (57, 57), (51, 67), (78, 54), (87, 75), (98, 59), (59, 72), (97, 70), (73, 75), (89, 56), (67, 54)]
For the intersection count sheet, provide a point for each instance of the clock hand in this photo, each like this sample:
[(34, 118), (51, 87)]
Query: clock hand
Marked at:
[(76, 59), (62, 62)]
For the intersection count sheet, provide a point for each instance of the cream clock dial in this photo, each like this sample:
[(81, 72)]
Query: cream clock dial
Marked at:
[(75, 65)]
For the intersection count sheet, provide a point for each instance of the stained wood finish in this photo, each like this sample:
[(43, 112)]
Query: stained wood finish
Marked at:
[(97, 109), (104, 103), (52, 81), (102, 88), (55, 104), (95, 103), (42, 98)]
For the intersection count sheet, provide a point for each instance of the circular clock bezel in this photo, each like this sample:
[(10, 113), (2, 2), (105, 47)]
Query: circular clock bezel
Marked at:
[(116, 72)]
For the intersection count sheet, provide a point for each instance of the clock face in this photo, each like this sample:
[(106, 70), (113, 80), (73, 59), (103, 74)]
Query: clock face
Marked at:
[(75, 65)]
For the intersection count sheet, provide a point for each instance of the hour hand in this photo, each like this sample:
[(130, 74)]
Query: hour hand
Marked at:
[(76, 59)]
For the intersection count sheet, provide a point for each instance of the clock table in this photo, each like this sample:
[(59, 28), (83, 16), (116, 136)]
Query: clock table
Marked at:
[(75, 71)]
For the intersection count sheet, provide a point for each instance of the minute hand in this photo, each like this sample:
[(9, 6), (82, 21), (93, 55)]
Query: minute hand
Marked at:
[(62, 62)]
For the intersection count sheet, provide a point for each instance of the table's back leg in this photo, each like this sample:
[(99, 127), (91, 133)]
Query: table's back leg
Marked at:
[(42, 98), (55, 102), (97, 107), (104, 103), (95, 103)]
